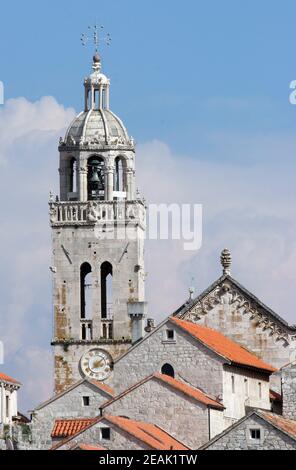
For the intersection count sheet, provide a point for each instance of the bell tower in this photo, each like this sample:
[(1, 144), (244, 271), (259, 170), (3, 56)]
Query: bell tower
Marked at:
[(98, 227)]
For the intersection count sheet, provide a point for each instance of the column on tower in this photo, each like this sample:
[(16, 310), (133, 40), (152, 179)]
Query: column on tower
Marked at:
[(82, 170), (130, 184), (109, 178)]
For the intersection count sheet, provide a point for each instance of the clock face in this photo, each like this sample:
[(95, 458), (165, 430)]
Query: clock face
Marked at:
[(96, 364)]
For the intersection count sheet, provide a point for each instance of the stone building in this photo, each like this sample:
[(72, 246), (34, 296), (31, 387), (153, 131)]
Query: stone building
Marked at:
[(202, 358), (98, 225), (119, 433), (81, 401), (260, 430), (289, 391), (173, 405), (8, 399), (230, 308)]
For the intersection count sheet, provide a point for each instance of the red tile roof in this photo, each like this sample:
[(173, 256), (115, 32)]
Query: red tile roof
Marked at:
[(82, 446), (275, 396), (69, 427), (150, 434), (222, 345), (6, 378), (103, 387), (286, 425), (189, 391)]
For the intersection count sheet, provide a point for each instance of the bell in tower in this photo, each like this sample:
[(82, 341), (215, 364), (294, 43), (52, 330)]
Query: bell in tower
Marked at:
[(98, 285), (95, 179)]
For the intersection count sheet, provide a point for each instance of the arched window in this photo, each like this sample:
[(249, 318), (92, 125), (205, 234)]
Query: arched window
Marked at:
[(106, 290), (95, 178), (119, 175), (167, 369), (85, 291)]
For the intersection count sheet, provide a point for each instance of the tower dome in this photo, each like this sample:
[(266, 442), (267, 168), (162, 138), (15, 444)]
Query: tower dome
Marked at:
[(97, 124)]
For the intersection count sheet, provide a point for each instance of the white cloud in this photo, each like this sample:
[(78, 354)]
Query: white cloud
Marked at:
[(29, 134)]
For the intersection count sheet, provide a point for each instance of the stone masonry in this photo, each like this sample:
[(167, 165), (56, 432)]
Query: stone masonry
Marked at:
[(67, 405), (238, 438), (289, 391), (156, 402)]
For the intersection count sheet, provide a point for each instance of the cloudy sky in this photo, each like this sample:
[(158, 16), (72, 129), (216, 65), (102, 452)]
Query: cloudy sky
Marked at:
[(203, 87)]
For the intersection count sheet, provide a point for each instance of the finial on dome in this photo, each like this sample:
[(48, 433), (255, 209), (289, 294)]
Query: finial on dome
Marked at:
[(225, 259), (96, 63), (96, 39)]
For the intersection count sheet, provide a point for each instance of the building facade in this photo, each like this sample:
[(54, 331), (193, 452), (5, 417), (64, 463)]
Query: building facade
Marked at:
[(98, 226)]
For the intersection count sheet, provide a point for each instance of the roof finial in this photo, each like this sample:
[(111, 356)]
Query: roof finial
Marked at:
[(191, 289), (225, 259), (95, 38)]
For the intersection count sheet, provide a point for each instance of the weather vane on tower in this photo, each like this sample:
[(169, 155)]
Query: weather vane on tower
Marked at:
[(94, 36)]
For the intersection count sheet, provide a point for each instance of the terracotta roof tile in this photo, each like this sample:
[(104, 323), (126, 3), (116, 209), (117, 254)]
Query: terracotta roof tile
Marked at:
[(103, 387), (69, 427), (222, 345), (6, 378), (82, 446), (286, 425), (275, 396), (189, 391), (149, 434)]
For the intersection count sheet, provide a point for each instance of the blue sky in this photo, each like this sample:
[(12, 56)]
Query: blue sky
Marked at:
[(167, 61), (203, 87)]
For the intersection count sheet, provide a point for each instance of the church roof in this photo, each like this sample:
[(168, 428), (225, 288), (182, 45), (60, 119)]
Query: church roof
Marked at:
[(7, 378), (69, 427), (188, 390), (102, 386), (189, 304), (149, 434), (99, 126), (222, 345), (82, 446), (286, 425)]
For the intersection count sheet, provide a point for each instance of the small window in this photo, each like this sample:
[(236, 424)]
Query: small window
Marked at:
[(260, 390), (255, 434), (85, 401), (246, 387), (170, 335), (105, 433), (232, 384)]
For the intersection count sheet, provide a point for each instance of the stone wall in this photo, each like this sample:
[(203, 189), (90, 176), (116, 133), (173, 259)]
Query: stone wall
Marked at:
[(238, 438), (67, 360), (158, 403), (289, 391), (69, 405), (192, 362), (196, 365), (251, 389), (229, 309)]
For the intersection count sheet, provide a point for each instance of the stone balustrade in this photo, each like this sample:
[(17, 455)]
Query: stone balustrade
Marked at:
[(93, 212)]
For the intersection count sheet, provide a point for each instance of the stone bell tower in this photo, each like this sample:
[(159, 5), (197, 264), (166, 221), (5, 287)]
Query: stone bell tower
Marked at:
[(98, 226)]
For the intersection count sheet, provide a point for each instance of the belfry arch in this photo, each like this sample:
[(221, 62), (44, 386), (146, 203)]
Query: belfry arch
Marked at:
[(85, 291), (95, 178), (106, 290)]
